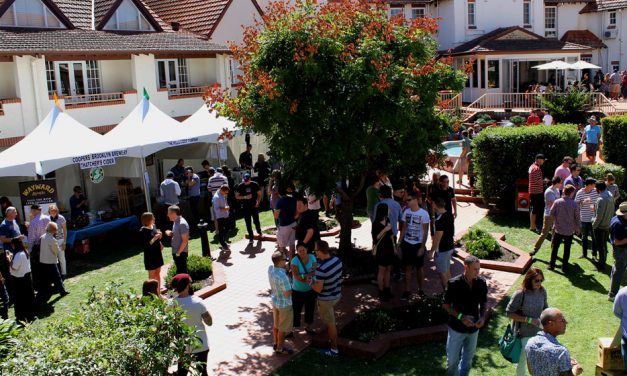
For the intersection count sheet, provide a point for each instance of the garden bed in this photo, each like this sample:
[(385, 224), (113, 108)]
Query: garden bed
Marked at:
[(513, 260), (327, 226), (208, 279)]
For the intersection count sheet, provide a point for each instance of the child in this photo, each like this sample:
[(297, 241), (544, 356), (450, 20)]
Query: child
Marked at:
[(282, 310)]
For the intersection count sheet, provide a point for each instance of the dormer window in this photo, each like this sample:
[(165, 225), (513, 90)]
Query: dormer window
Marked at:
[(128, 18), (30, 13)]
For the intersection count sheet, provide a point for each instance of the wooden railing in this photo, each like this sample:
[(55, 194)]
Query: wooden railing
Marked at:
[(530, 101), (76, 100), (187, 91)]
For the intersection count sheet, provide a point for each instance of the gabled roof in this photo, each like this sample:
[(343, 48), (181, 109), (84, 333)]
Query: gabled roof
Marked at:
[(604, 5), (104, 10), (583, 37), (78, 11), (5, 4), (197, 16), (514, 38)]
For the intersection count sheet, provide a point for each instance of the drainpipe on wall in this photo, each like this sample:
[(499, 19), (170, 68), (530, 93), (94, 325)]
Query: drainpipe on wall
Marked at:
[(620, 39), (33, 63)]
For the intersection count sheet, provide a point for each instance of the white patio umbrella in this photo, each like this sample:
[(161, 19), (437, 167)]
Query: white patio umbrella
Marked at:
[(583, 65), (553, 65)]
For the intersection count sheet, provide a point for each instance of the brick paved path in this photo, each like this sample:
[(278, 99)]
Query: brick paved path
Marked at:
[(240, 339)]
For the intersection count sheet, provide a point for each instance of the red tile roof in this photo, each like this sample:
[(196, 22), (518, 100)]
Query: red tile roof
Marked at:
[(604, 5), (584, 37)]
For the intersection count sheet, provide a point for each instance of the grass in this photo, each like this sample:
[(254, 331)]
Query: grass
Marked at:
[(582, 297), (110, 261)]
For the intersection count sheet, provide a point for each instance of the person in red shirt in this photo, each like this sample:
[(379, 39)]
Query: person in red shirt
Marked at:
[(536, 192), (533, 118)]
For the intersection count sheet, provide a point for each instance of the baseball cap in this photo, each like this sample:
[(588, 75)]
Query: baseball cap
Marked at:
[(540, 156), (247, 176), (170, 174), (180, 278)]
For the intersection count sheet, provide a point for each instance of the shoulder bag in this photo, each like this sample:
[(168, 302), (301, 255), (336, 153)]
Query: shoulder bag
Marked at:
[(510, 344)]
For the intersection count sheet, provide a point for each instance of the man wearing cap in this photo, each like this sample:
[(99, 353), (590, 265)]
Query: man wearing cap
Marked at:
[(197, 317), (180, 238), (536, 192), (592, 138), (618, 238), (586, 199), (78, 203), (603, 213), (249, 196), (170, 190)]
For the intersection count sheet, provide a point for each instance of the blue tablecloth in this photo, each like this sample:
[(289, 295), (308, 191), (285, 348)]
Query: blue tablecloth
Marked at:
[(100, 228)]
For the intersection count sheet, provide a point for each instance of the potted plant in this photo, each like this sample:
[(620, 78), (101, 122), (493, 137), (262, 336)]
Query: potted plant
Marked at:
[(518, 120), (484, 120)]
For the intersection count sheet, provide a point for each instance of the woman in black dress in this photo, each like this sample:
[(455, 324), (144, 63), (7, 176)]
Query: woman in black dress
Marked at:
[(383, 242), (151, 241)]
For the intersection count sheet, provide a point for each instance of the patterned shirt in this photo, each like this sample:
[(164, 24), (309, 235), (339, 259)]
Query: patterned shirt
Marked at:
[(546, 356), (536, 184), (37, 228), (279, 283), (586, 203), (566, 214), (330, 273)]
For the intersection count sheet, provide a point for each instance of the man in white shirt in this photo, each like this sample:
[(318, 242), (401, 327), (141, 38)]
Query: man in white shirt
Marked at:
[(170, 190), (414, 231), (48, 258), (547, 119)]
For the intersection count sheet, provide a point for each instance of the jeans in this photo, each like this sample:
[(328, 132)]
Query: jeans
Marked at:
[(620, 262), (521, 368), (600, 237), (306, 299), (555, 245), (586, 229), (223, 230), (180, 262), (254, 214), (460, 346), (546, 228)]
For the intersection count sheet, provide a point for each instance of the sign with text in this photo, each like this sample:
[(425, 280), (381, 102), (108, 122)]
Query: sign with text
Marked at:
[(38, 192), (98, 159)]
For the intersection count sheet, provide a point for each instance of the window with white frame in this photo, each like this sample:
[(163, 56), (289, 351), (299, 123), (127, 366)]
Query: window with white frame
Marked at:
[(612, 19), (172, 74), (396, 10), (73, 78), (128, 17), (183, 75), (527, 13), (417, 12), (30, 13), (550, 21), (471, 13)]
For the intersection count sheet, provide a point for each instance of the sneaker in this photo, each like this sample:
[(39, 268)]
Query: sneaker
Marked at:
[(405, 295), (284, 351), (610, 298), (329, 352)]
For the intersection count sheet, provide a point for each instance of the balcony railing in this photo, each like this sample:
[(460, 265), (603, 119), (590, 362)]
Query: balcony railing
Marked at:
[(192, 91), (530, 101), (4, 102), (449, 101), (93, 99)]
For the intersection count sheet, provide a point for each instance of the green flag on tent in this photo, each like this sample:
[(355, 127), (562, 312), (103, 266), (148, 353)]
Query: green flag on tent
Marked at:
[(146, 95)]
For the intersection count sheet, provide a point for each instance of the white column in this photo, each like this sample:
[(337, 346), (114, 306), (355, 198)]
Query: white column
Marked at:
[(31, 88), (221, 73), (144, 75)]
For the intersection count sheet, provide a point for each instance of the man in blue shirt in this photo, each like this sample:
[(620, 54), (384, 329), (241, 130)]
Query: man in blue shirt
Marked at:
[(592, 138), (618, 238), (282, 310), (9, 230)]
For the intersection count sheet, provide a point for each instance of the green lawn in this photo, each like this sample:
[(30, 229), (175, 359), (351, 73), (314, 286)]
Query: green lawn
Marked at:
[(582, 296), (123, 263)]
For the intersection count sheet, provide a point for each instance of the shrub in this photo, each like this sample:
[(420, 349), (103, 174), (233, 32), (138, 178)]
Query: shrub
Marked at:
[(482, 245), (198, 268), (503, 155), (614, 146), (113, 333), (599, 171), (568, 107), (483, 119), (517, 119), (8, 333)]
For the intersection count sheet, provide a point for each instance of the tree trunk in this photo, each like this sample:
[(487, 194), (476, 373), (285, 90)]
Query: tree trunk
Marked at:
[(345, 218)]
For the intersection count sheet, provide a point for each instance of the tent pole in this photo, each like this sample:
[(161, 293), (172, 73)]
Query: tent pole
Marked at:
[(145, 185)]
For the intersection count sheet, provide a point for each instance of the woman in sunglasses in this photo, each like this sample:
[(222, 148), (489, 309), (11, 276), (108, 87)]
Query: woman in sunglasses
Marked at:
[(525, 308)]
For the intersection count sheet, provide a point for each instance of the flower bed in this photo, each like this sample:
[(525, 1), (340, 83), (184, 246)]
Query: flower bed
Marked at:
[(512, 260), (208, 277)]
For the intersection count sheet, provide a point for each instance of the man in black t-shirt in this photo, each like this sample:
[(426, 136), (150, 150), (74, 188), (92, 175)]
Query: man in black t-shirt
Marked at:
[(307, 231), (246, 158), (447, 194), (249, 196), (465, 302), (443, 243)]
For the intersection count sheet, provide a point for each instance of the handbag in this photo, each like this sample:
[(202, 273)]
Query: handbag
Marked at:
[(510, 343)]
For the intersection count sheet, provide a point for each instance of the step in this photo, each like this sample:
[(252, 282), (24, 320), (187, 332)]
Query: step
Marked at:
[(467, 191), (467, 198)]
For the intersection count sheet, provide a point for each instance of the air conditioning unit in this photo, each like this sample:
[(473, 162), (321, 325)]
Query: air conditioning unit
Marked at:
[(610, 34)]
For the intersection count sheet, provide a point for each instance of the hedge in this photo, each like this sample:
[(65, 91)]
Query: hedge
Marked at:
[(614, 148), (503, 155), (600, 170)]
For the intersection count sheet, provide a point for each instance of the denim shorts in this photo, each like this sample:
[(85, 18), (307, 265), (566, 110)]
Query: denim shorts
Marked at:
[(443, 261)]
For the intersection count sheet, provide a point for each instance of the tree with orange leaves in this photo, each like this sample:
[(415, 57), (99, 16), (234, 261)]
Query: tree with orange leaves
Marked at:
[(340, 90)]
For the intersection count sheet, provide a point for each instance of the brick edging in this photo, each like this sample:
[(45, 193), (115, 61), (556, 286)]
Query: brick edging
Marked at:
[(219, 281), (519, 266)]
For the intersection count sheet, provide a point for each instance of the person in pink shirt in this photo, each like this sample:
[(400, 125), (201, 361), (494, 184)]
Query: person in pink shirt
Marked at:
[(563, 170)]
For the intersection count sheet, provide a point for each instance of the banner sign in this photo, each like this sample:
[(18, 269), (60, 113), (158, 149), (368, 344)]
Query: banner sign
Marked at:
[(98, 159), (183, 142), (40, 192)]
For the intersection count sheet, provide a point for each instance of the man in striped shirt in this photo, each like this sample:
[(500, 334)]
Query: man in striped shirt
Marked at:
[(328, 284), (536, 192), (586, 198)]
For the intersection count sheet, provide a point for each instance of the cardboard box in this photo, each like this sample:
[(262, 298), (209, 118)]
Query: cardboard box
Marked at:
[(610, 357), (612, 372)]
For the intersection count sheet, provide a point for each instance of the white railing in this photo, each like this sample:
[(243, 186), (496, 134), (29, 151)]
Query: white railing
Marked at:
[(192, 90), (530, 101), (448, 102), (75, 100)]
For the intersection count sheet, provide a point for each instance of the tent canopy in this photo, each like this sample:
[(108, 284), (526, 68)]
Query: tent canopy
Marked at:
[(51, 145), (579, 65), (556, 64), (205, 126)]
